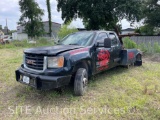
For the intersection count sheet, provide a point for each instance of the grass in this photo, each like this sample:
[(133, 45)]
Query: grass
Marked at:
[(114, 94), (24, 44)]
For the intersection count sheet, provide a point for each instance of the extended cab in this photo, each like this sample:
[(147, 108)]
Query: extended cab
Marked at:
[(74, 59)]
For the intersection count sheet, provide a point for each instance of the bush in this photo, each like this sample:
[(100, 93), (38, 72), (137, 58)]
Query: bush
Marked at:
[(145, 30), (149, 48), (143, 47), (129, 44), (156, 47), (65, 30)]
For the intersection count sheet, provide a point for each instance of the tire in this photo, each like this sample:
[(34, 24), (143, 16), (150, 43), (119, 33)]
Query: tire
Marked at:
[(80, 82)]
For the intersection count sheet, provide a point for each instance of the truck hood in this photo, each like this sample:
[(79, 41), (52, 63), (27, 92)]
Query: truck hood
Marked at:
[(52, 50)]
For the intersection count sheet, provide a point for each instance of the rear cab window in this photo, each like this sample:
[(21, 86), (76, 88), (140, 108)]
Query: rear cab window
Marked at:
[(114, 39)]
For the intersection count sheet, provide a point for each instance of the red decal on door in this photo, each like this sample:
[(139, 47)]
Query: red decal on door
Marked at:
[(130, 55), (78, 51), (103, 59)]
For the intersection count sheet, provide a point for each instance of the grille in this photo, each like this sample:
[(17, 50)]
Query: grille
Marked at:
[(34, 61)]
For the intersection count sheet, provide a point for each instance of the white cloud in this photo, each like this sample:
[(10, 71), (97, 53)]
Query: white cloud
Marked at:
[(126, 24), (77, 23)]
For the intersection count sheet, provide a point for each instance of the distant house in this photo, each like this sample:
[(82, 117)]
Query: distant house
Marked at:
[(19, 36), (55, 28), (5, 30), (128, 30), (20, 29), (1, 34)]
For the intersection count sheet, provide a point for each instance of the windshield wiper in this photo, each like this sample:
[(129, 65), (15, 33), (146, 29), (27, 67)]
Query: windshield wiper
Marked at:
[(59, 44), (73, 44)]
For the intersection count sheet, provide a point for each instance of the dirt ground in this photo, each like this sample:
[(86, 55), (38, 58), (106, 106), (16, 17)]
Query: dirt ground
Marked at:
[(152, 57)]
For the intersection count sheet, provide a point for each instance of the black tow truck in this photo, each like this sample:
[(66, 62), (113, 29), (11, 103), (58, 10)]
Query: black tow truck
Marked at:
[(75, 58)]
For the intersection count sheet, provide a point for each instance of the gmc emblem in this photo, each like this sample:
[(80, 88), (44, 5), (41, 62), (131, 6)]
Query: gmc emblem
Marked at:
[(31, 62)]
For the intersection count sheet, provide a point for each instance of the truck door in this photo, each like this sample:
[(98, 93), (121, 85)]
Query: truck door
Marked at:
[(115, 48), (103, 55)]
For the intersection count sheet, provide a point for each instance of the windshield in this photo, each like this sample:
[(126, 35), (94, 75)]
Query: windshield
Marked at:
[(79, 38)]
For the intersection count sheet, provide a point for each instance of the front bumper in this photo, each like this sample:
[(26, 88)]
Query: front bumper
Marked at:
[(42, 82)]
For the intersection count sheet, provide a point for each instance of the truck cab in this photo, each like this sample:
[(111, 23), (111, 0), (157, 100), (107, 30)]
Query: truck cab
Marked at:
[(75, 58)]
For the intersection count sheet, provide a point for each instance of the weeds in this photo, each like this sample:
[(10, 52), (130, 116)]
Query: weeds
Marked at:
[(129, 44), (24, 44), (146, 48)]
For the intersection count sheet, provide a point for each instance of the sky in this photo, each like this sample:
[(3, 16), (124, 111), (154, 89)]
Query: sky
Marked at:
[(9, 9)]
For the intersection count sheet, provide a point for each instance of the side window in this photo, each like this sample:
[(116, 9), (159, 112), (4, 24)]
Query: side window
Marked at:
[(113, 38), (102, 36)]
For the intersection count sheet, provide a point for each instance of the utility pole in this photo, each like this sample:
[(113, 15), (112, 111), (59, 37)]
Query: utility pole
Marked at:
[(6, 26)]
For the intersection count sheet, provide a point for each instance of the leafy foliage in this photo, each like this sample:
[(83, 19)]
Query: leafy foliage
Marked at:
[(146, 48), (102, 14), (129, 44), (152, 13), (149, 48), (145, 30), (12, 31), (157, 48), (65, 30), (31, 17), (49, 17)]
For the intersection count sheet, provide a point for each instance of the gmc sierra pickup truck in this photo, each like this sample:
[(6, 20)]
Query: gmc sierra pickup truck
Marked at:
[(75, 58)]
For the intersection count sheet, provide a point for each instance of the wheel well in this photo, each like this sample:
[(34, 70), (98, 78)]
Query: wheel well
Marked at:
[(82, 64)]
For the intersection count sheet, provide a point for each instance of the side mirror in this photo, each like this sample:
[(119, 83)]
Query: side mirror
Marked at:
[(57, 41), (107, 43)]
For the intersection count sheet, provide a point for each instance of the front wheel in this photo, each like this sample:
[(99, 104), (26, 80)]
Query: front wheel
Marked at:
[(80, 82)]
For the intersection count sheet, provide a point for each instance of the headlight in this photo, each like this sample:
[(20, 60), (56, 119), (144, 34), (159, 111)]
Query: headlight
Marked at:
[(55, 62)]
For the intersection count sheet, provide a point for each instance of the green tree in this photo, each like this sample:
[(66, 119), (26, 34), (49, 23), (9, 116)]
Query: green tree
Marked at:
[(152, 13), (12, 31), (31, 17), (49, 17), (145, 30), (100, 14), (65, 30)]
